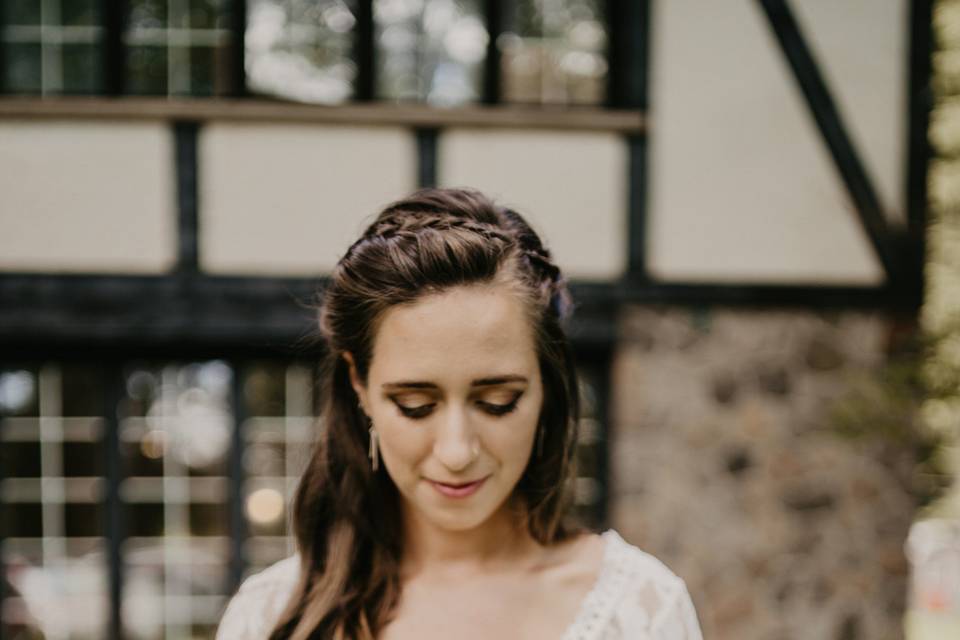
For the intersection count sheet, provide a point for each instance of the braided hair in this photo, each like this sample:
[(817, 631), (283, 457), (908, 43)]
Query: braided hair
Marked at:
[(346, 516)]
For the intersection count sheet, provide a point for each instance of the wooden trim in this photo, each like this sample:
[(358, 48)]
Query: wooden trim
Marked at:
[(258, 110), (263, 313)]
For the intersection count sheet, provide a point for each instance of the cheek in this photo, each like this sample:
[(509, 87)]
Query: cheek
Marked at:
[(402, 446), (512, 439)]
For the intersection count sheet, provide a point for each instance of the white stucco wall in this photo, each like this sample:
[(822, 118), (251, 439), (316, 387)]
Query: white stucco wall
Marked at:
[(77, 196), (571, 186), (742, 186), (289, 199)]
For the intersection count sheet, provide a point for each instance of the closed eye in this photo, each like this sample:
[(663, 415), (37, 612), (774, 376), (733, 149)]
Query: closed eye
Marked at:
[(499, 409), (421, 411)]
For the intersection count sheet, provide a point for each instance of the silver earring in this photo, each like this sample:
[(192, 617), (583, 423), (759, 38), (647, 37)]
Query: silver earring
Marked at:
[(374, 449), (540, 434)]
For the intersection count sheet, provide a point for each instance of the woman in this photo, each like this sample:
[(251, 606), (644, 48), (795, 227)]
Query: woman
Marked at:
[(433, 504)]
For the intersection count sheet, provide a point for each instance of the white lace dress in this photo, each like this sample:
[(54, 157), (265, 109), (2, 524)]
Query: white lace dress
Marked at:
[(635, 597)]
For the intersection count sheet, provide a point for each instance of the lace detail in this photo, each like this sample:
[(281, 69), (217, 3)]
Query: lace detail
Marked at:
[(257, 606), (635, 597)]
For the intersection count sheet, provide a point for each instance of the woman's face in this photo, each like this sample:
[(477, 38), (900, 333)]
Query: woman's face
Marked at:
[(454, 392)]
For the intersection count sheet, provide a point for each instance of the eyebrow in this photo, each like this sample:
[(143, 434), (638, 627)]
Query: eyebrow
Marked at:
[(480, 382)]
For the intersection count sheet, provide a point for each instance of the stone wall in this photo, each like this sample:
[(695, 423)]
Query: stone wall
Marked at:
[(729, 462)]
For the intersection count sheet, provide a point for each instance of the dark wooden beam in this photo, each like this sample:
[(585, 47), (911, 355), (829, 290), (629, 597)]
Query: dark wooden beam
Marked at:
[(186, 170), (628, 53), (236, 477), (494, 15), (427, 138), (113, 504), (827, 117), (113, 50), (365, 53), (3, 89), (238, 53), (276, 315)]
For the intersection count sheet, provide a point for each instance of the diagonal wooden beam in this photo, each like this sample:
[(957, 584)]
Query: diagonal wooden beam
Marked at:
[(845, 157)]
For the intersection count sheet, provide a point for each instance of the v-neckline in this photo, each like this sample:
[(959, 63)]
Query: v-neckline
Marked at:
[(594, 597)]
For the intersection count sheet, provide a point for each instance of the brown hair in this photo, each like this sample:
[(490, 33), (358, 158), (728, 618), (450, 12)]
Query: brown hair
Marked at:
[(346, 517)]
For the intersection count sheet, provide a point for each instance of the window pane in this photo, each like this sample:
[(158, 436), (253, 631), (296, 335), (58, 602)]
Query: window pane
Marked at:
[(61, 57), (79, 12), (21, 459), (18, 392), (207, 14), (147, 70), (52, 516), (554, 51), (301, 49), (148, 14), (83, 520), (203, 67), (430, 51), (175, 431), (279, 432), (83, 459), (24, 72), (22, 11), (81, 68), (178, 48)]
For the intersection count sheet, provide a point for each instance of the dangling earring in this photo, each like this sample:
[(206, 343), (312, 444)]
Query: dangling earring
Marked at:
[(541, 429), (374, 449), (374, 452)]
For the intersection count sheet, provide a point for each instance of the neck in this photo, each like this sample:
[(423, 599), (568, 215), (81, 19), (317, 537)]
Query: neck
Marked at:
[(493, 545)]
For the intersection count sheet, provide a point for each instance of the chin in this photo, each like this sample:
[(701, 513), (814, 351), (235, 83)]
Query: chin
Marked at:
[(457, 520)]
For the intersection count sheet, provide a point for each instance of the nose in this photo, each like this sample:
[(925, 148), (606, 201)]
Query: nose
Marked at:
[(455, 444)]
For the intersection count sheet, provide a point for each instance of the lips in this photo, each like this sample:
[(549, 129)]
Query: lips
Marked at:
[(459, 490)]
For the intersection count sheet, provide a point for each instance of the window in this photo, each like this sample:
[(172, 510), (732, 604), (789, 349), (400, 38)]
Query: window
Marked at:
[(176, 428), (51, 47), (431, 51), (178, 47), (313, 51), (554, 52), (301, 50), (52, 526)]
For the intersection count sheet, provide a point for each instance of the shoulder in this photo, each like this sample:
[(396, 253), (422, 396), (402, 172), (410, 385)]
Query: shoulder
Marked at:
[(258, 603), (647, 596)]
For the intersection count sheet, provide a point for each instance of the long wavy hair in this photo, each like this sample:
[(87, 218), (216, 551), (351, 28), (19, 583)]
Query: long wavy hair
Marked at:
[(346, 517)]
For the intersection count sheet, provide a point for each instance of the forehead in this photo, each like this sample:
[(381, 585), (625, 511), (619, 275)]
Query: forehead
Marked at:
[(456, 333)]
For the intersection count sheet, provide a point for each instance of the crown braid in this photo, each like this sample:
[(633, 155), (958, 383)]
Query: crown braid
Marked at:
[(406, 221)]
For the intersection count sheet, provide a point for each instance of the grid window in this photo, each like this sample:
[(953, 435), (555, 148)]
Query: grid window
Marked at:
[(279, 432), (53, 521), (176, 426), (554, 52), (588, 484), (175, 432), (178, 47), (431, 51), (52, 47), (301, 49)]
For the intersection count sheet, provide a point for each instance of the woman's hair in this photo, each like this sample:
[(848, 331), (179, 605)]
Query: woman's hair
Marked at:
[(346, 517)]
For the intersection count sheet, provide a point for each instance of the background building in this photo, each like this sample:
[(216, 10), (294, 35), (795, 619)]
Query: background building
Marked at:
[(738, 191)]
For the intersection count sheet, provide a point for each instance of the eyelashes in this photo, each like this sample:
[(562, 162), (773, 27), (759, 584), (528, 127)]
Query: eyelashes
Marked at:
[(415, 412), (492, 408)]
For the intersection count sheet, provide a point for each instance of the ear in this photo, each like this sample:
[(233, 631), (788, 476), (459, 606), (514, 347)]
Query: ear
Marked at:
[(358, 387)]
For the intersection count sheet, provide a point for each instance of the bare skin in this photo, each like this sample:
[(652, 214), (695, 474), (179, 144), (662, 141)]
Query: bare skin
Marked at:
[(537, 597)]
